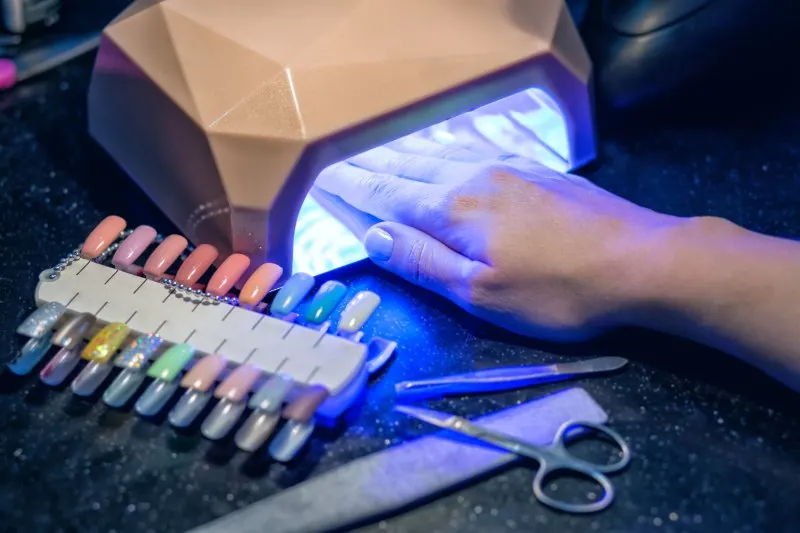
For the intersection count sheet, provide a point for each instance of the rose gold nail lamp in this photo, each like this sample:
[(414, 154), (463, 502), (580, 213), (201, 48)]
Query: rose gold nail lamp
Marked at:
[(225, 111)]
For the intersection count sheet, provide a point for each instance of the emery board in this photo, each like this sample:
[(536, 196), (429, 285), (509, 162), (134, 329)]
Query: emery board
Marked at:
[(395, 479)]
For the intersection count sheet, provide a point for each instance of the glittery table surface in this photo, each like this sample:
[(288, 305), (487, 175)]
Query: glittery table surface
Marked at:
[(715, 443)]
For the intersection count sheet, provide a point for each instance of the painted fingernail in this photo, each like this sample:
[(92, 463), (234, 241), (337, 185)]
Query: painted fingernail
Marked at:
[(259, 284), (105, 343), (164, 371), (266, 404), (358, 311), (291, 294), (133, 360), (378, 244), (228, 273), (324, 302), (30, 355), (42, 320), (164, 256), (74, 331), (101, 237), (198, 382), (60, 366), (232, 393), (198, 262), (300, 414), (91, 377), (133, 247)]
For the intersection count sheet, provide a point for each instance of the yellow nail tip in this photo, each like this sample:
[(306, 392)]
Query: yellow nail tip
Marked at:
[(105, 343)]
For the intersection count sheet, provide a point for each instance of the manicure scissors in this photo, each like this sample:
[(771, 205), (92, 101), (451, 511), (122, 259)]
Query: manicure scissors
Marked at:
[(551, 459)]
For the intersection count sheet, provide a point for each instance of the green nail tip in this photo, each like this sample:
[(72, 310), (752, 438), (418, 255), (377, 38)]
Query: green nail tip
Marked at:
[(324, 302), (169, 365)]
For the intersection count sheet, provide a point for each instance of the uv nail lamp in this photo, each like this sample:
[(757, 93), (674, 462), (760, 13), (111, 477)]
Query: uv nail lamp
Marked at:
[(225, 111)]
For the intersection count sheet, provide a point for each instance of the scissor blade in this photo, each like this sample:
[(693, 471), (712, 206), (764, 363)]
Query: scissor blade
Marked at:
[(436, 418)]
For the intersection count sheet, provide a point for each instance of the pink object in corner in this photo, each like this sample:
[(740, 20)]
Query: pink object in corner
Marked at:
[(8, 74)]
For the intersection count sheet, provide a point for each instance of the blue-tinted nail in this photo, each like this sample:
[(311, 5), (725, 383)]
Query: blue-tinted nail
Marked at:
[(379, 244), (30, 355), (291, 294), (290, 440)]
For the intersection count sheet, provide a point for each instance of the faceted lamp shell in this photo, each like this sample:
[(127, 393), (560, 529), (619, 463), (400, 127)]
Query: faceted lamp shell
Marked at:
[(225, 111)]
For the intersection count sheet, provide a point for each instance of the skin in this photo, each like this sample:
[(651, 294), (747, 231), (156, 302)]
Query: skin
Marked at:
[(550, 255)]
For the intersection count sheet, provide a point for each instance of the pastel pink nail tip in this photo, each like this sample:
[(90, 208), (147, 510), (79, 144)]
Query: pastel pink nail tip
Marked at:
[(228, 274), (238, 383), (134, 246), (165, 255), (204, 373)]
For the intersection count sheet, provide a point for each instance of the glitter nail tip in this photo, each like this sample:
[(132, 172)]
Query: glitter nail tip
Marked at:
[(256, 430), (290, 440), (60, 366), (189, 407), (42, 320), (123, 387), (155, 397), (222, 419), (90, 378), (30, 355)]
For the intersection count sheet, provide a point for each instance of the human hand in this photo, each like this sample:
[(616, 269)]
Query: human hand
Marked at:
[(525, 247)]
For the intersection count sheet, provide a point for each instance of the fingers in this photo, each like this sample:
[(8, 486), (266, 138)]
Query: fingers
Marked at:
[(415, 144), (383, 196), (413, 165), (422, 260)]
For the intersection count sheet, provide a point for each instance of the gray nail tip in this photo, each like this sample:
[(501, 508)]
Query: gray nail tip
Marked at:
[(272, 394), (123, 387), (153, 400), (189, 407), (222, 419), (90, 379), (290, 440), (256, 430)]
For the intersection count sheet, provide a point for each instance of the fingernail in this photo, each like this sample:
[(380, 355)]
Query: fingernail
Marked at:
[(155, 397), (222, 419), (164, 256), (42, 320), (256, 430), (101, 237), (271, 395), (133, 360), (60, 366), (358, 311), (90, 378), (259, 284), (198, 262), (105, 343), (379, 244), (171, 363), (238, 383), (123, 387), (30, 355), (324, 302), (290, 440), (164, 371), (133, 247), (228, 273), (74, 331), (292, 293), (197, 381)]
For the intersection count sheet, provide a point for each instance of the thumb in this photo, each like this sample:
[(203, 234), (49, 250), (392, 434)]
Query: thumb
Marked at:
[(420, 259)]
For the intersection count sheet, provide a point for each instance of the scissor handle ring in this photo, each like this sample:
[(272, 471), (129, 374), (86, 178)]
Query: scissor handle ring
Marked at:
[(625, 451), (574, 508)]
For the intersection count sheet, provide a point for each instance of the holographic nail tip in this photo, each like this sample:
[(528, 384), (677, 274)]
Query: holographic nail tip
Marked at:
[(41, 320), (139, 351), (103, 346)]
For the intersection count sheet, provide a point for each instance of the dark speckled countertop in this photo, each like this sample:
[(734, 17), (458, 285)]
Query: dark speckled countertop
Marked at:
[(715, 444)]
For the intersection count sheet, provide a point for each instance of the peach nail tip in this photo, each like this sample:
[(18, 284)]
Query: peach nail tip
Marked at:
[(164, 256), (102, 236), (259, 284)]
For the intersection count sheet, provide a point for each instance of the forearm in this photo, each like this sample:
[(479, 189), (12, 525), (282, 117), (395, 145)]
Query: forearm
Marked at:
[(729, 288)]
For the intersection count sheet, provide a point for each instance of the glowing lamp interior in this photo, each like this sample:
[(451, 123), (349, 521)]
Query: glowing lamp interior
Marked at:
[(528, 124)]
